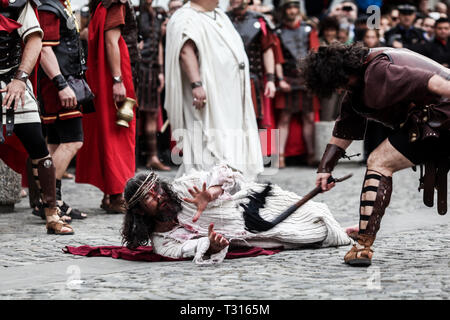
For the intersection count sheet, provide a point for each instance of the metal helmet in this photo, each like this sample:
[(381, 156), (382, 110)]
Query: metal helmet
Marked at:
[(284, 3)]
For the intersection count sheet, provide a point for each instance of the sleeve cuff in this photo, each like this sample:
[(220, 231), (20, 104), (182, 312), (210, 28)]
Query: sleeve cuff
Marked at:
[(32, 30), (202, 259)]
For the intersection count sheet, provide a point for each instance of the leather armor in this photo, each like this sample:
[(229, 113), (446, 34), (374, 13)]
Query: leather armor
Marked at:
[(295, 45), (10, 43), (68, 52), (249, 28), (150, 30)]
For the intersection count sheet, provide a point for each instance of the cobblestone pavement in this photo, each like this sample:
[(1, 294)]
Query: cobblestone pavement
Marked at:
[(412, 254)]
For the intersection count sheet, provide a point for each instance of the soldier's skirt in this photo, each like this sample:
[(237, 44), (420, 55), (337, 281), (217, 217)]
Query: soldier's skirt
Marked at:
[(149, 98), (298, 100)]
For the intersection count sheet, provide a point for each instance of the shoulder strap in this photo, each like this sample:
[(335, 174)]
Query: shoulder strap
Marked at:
[(373, 53), (53, 6)]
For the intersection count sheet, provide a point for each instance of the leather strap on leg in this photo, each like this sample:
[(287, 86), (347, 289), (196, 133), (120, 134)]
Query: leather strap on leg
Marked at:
[(34, 193), (47, 180), (58, 189), (382, 200)]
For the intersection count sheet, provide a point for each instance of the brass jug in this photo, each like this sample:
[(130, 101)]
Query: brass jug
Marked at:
[(125, 112)]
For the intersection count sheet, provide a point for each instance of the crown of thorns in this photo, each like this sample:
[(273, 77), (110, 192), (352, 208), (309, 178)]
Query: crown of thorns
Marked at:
[(143, 189)]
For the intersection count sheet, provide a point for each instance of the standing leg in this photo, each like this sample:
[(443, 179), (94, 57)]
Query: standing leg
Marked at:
[(375, 197), (65, 138), (309, 136), (153, 161), (32, 139), (283, 126)]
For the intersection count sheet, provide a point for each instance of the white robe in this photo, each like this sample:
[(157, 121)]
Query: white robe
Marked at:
[(225, 130), (311, 224)]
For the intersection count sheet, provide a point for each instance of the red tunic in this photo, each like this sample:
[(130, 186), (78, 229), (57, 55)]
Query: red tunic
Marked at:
[(107, 158)]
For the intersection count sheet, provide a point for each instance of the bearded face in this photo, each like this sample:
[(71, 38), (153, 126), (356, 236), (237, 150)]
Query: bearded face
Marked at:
[(161, 203)]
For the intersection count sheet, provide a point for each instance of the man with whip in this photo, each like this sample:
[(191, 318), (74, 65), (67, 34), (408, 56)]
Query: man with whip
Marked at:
[(404, 91)]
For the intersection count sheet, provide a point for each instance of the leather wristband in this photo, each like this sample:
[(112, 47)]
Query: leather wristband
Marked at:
[(270, 77), (196, 84), (330, 158), (21, 75), (60, 82)]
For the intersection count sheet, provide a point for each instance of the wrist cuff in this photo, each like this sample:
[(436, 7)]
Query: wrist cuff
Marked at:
[(60, 82), (330, 158), (270, 77)]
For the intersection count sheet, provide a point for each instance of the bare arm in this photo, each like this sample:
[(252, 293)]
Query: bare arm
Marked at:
[(15, 90), (269, 66), (189, 61), (112, 37), (439, 86), (340, 142), (190, 66), (112, 51), (50, 65), (31, 51), (161, 63), (269, 61)]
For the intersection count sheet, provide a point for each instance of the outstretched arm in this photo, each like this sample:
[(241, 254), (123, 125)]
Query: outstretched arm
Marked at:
[(203, 197)]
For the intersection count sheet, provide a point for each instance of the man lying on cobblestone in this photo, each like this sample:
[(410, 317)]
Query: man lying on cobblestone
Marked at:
[(183, 221), (404, 91)]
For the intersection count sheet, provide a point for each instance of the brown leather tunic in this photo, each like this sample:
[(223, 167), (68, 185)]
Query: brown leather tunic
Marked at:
[(394, 80)]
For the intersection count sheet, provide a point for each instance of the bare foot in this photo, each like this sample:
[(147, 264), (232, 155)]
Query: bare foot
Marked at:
[(156, 164)]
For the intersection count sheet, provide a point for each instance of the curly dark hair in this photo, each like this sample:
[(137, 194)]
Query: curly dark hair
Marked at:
[(328, 23), (330, 67), (137, 227)]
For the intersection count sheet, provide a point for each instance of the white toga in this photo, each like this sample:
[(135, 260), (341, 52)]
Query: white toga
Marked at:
[(313, 223), (225, 130)]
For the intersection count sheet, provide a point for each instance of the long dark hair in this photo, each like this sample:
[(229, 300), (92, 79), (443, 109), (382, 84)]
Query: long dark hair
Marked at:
[(331, 66), (137, 227)]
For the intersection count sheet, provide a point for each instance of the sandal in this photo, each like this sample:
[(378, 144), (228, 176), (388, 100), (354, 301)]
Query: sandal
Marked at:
[(360, 255), (67, 210), (39, 211), (55, 227)]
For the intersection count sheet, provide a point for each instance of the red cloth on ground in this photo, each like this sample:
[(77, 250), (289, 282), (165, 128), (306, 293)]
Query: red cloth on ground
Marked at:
[(107, 158), (146, 253)]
